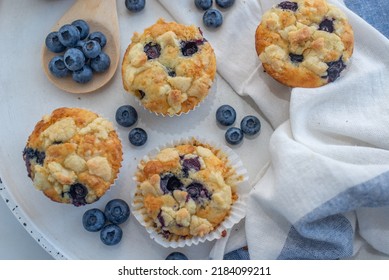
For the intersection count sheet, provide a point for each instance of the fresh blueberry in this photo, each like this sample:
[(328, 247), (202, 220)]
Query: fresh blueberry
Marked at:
[(53, 43), (234, 135), (99, 37), (174, 184), (111, 234), (193, 190), (296, 58), (288, 5), (163, 182), (80, 44), (126, 115), (152, 50), (117, 211), (189, 48), (171, 72), (140, 94), (191, 164), (135, 5), (250, 125), (69, 35), (334, 69), (91, 49), (197, 191), (93, 220), (74, 59), (137, 136), (57, 67), (327, 25), (100, 63), (225, 3), (212, 18), (176, 256), (30, 154), (170, 183), (203, 4), (78, 193), (82, 27), (225, 115), (83, 75), (160, 218)]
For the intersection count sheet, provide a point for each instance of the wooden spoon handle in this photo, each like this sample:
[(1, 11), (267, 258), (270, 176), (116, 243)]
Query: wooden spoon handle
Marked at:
[(104, 10)]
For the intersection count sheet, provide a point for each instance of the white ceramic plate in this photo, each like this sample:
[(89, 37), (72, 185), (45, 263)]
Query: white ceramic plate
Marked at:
[(26, 95)]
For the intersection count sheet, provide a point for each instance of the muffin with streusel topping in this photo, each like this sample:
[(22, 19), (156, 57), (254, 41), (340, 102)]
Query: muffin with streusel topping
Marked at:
[(73, 156), (185, 191), (170, 67), (304, 43)]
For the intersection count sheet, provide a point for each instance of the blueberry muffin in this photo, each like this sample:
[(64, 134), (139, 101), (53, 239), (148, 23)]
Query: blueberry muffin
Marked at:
[(186, 190), (73, 156), (304, 43), (169, 68)]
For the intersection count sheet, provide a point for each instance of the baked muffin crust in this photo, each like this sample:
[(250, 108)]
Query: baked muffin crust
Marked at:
[(170, 67), (304, 43), (73, 156), (185, 191)]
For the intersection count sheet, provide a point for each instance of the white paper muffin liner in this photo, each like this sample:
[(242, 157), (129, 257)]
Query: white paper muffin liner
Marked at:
[(237, 210)]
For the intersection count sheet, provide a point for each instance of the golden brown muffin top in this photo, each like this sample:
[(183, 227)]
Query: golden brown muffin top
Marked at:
[(170, 67), (186, 190), (73, 156), (304, 43)]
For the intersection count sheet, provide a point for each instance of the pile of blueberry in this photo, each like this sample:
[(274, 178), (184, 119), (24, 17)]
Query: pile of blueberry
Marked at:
[(212, 17), (107, 222), (249, 125), (80, 53), (127, 116)]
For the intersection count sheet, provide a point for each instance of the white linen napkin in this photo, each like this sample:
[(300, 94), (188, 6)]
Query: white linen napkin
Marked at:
[(326, 193)]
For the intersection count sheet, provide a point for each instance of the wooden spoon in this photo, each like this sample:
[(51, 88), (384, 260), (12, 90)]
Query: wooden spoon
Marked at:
[(101, 15)]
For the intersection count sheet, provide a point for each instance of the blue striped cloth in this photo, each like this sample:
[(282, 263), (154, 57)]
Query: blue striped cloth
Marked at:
[(376, 13), (239, 254)]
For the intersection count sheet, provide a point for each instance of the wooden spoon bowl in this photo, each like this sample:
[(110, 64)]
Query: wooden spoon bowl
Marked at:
[(101, 15)]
